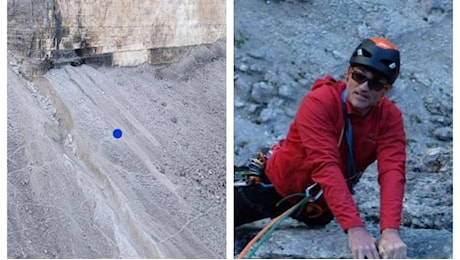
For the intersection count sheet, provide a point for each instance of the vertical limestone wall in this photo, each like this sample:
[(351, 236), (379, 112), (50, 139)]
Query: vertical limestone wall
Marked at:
[(45, 34)]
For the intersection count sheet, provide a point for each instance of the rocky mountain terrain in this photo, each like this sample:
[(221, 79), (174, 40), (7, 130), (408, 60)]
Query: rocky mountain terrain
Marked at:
[(77, 71), (281, 47), (75, 191)]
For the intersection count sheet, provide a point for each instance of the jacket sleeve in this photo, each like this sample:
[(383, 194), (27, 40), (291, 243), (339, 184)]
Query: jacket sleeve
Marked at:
[(316, 121), (391, 157)]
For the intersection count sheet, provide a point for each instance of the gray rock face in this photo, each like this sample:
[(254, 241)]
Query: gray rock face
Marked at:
[(54, 33), (331, 242), (294, 42)]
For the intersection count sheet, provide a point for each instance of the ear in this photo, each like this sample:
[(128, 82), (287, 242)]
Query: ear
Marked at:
[(387, 89), (348, 73)]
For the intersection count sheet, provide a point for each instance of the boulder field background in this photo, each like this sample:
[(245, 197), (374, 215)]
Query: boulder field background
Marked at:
[(281, 47)]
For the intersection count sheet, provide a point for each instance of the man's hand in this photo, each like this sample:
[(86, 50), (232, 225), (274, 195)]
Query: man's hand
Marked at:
[(390, 245), (362, 243)]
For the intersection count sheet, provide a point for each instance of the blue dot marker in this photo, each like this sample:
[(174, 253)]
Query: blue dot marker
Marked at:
[(117, 133)]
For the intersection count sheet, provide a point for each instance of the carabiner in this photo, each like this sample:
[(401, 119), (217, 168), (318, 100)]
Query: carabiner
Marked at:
[(308, 193)]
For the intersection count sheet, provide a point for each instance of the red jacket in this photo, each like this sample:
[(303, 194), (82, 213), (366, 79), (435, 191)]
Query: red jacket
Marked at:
[(310, 153)]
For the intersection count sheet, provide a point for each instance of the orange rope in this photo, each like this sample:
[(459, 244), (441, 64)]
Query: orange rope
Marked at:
[(260, 234)]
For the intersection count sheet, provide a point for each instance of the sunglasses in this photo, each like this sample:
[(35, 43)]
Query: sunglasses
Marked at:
[(374, 83)]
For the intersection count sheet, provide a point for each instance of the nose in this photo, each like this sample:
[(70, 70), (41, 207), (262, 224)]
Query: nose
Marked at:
[(364, 86)]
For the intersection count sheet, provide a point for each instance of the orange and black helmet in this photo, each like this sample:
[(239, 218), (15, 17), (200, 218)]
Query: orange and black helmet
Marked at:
[(378, 54)]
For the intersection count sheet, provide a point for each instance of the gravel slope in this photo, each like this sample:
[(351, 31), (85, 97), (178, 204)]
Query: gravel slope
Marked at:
[(74, 191)]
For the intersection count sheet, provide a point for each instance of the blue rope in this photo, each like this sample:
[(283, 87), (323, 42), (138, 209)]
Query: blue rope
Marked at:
[(349, 136)]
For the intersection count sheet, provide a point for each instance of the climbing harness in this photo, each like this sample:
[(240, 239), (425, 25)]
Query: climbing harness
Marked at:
[(309, 210), (253, 174)]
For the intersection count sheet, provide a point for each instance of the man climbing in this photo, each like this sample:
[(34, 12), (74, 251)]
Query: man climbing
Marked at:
[(339, 129)]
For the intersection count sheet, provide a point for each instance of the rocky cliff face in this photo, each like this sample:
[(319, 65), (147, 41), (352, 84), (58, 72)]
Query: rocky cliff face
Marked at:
[(52, 33)]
